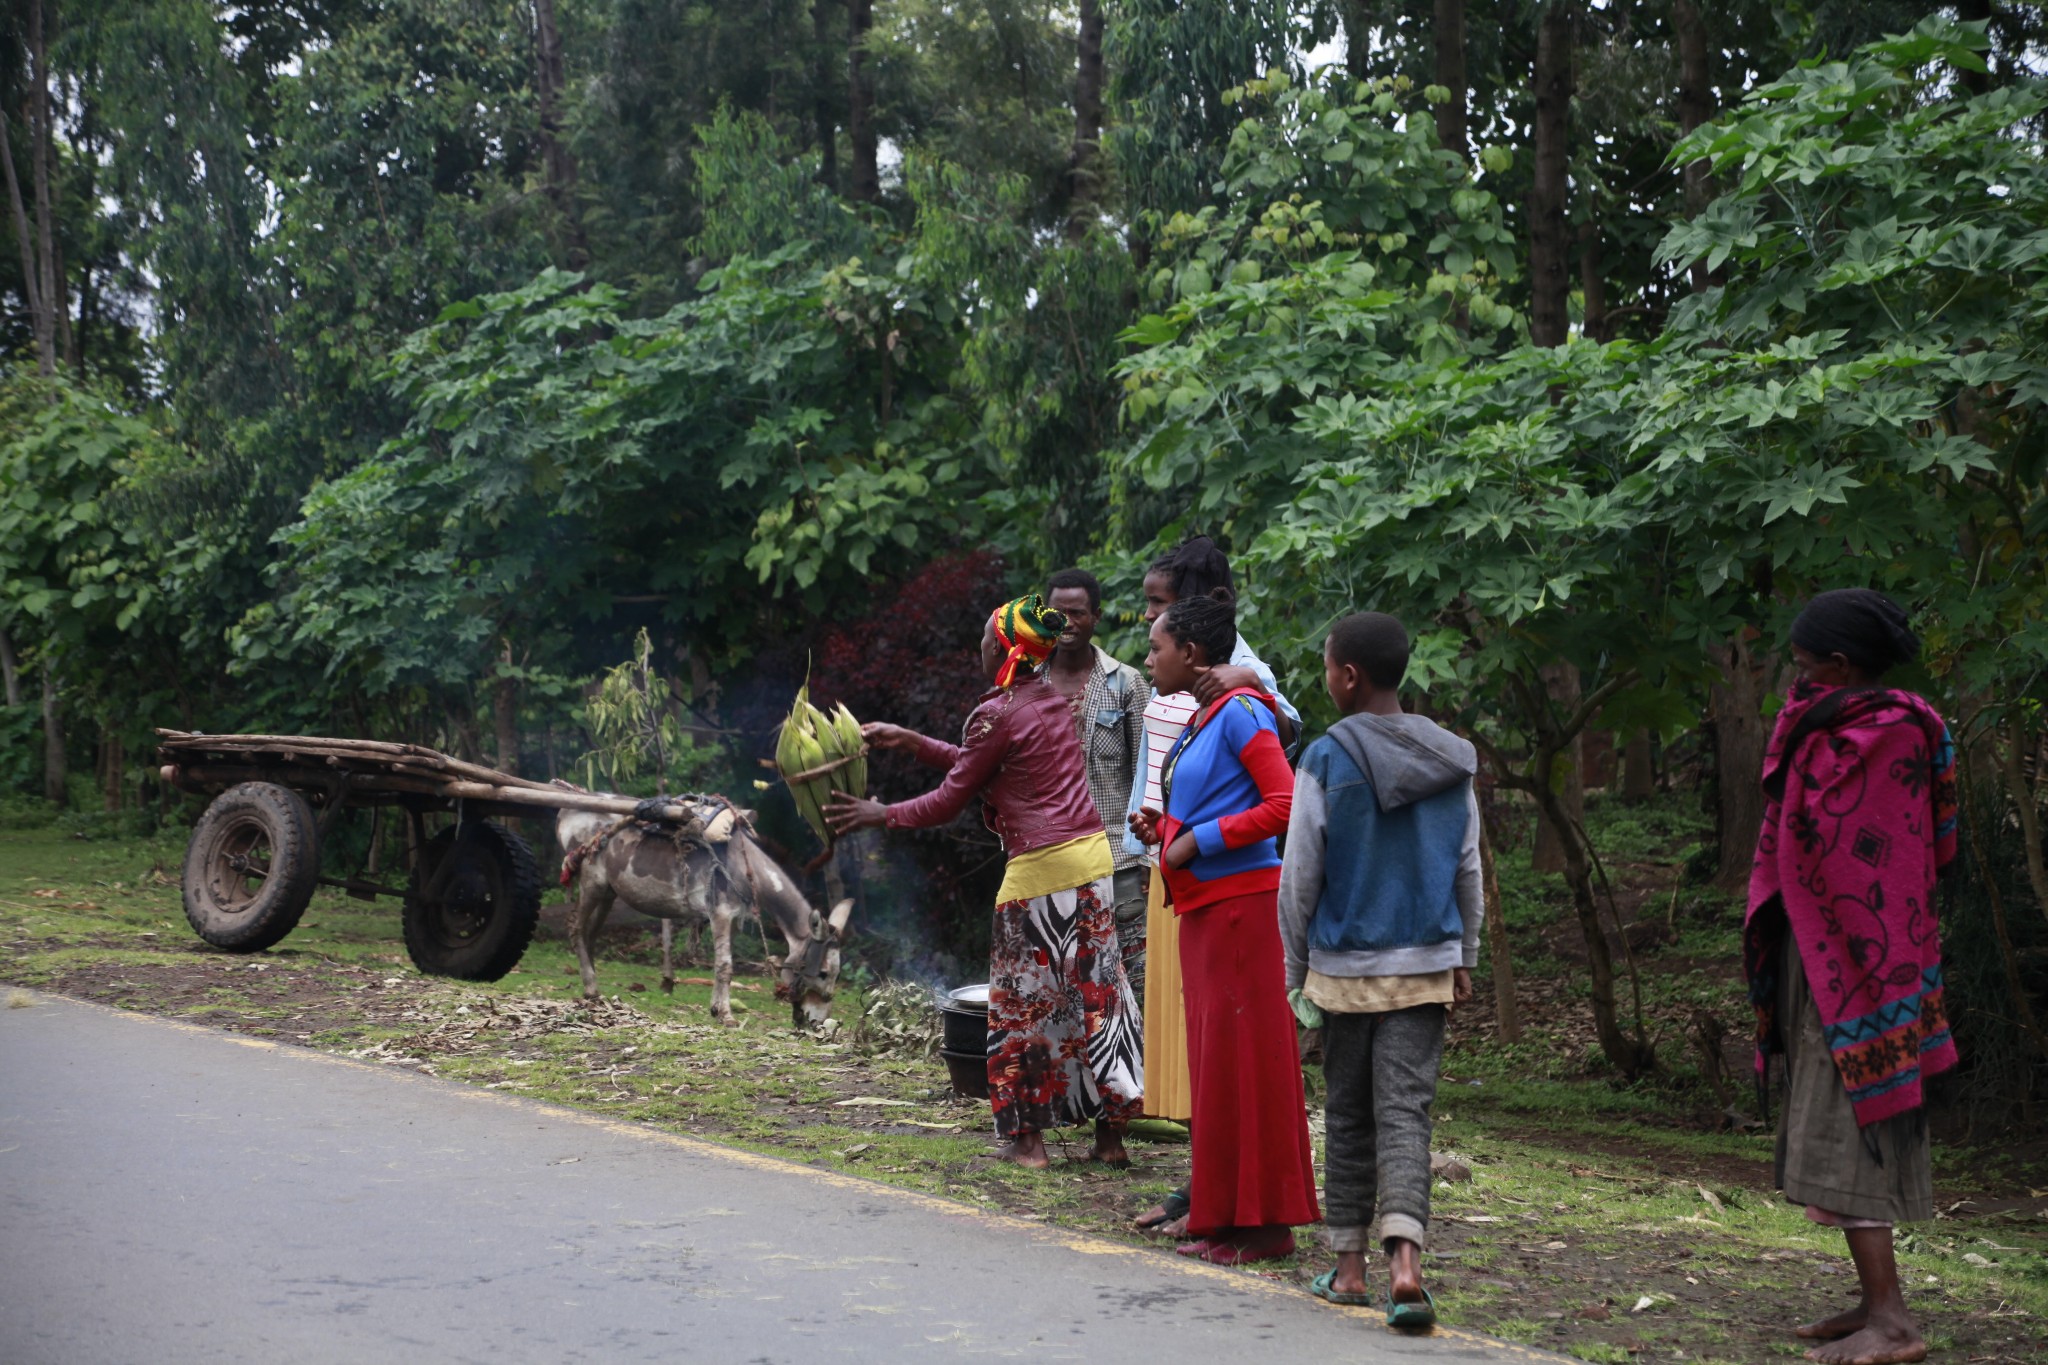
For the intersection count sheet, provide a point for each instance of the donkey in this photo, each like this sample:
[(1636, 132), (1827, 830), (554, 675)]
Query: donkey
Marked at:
[(572, 828), (712, 883)]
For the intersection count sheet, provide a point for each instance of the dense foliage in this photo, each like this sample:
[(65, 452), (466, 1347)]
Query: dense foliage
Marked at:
[(387, 366)]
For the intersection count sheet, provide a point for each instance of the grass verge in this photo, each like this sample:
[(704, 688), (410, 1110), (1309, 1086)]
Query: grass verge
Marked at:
[(1597, 1222)]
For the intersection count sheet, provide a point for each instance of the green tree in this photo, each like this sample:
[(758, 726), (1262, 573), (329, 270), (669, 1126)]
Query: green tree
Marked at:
[(77, 580)]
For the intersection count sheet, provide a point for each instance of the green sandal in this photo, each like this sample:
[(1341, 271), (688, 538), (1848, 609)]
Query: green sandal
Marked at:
[(1324, 1287), (1413, 1315), (1175, 1205)]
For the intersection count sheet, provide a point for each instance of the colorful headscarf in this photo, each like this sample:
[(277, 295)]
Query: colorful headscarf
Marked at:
[(1028, 629)]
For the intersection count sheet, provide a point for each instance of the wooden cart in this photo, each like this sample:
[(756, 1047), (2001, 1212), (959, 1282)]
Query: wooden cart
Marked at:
[(472, 890)]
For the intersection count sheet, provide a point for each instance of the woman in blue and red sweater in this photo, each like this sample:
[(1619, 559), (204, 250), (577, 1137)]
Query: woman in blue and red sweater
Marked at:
[(1228, 790)]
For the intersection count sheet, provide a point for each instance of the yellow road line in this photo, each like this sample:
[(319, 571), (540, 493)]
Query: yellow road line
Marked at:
[(1083, 1243)]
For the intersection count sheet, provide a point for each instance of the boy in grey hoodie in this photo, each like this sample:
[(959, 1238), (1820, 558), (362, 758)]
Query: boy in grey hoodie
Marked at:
[(1380, 909)]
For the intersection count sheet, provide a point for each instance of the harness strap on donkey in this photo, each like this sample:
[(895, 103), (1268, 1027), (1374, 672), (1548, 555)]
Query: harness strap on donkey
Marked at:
[(712, 836)]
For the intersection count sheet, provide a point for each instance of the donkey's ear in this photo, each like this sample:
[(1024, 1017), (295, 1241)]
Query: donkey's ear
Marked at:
[(837, 924)]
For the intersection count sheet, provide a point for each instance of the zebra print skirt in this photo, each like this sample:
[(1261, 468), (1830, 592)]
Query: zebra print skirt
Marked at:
[(1065, 1040)]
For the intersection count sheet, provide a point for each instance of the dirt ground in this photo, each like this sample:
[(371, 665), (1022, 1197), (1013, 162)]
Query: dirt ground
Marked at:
[(1602, 1220)]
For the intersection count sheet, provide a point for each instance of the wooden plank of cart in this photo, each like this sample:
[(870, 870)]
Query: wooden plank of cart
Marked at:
[(472, 893)]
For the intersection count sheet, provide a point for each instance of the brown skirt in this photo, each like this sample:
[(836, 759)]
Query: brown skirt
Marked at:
[(1823, 1158)]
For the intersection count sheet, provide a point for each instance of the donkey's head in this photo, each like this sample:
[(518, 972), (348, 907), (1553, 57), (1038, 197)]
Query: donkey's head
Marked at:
[(810, 975)]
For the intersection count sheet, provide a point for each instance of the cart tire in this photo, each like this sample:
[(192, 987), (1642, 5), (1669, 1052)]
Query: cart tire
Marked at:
[(259, 828), (478, 925)]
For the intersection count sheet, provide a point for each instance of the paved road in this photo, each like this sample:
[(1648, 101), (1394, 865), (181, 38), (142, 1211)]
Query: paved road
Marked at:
[(170, 1193)]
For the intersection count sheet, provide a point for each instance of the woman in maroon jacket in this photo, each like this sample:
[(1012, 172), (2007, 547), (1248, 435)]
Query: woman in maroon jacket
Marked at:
[(1064, 1040)]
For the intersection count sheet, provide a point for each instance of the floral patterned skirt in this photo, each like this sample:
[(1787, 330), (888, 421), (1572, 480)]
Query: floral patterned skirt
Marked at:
[(1064, 1040)]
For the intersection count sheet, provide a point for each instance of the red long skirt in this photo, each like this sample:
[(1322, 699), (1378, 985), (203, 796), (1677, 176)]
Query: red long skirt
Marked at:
[(1252, 1165)]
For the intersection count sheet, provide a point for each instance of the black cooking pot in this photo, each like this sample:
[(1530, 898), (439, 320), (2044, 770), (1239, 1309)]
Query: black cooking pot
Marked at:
[(963, 1013), (968, 1072)]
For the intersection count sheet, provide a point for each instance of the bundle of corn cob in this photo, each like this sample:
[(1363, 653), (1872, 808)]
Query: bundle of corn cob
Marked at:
[(820, 752)]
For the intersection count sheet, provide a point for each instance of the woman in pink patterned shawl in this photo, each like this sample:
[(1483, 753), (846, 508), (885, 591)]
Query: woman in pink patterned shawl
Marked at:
[(1841, 949)]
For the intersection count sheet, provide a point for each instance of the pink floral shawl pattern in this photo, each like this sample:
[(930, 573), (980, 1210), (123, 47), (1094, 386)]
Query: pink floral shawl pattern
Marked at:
[(1862, 818)]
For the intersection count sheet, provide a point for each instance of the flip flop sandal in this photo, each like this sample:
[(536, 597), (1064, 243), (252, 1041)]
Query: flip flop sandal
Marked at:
[(1230, 1251), (1174, 1206), (1412, 1315), (1324, 1287)]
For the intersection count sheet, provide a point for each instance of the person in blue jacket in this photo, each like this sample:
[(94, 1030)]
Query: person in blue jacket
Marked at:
[(1380, 909), (1226, 787)]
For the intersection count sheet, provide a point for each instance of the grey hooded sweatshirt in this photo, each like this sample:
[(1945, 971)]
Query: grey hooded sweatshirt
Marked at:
[(1381, 875)]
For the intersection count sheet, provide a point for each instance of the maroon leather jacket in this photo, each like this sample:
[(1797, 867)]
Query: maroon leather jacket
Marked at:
[(1020, 754)]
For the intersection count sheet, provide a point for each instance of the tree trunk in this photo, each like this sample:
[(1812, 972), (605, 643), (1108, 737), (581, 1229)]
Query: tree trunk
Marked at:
[(28, 231), (1978, 834), (462, 726), (1740, 736), (1083, 182), (1974, 12), (1695, 107), (1357, 16), (39, 152), (1507, 1012), (505, 718), (1638, 772), (558, 163), (54, 786), (1549, 274), (10, 669), (67, 339), (1628, 1053), (1449, 34), (860, 103), (112, 760), (46, 358), (2012, 767), (1561, 683), (1592, 288), (827, 129)]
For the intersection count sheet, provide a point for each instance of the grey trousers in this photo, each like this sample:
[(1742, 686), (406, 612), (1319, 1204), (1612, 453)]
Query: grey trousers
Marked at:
[(1380, 1075), (1129, 911)]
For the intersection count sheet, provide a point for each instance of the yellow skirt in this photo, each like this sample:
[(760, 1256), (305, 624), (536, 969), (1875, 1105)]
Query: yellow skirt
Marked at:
[(1167, 1089)]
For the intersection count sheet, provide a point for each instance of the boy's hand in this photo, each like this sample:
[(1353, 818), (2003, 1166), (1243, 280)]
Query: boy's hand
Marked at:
[(1145, 824), (1182, 850), (1307, 1013), (1461, 986), (1215, 681)]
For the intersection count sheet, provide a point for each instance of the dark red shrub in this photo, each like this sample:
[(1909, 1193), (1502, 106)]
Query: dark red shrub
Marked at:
[(916, 661)]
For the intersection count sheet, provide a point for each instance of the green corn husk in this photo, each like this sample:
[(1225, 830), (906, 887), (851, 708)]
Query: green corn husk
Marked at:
[(850, 742), (810, 739)]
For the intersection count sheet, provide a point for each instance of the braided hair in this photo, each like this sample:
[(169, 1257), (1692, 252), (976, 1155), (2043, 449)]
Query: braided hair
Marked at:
[(1196, 569), (1209, 620)]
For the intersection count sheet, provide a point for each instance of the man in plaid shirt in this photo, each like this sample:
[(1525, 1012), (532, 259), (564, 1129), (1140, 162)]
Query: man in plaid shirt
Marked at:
[(1108, 698)]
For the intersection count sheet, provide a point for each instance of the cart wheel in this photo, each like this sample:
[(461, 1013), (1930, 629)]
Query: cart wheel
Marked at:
[(251, 867), (483, 911)]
